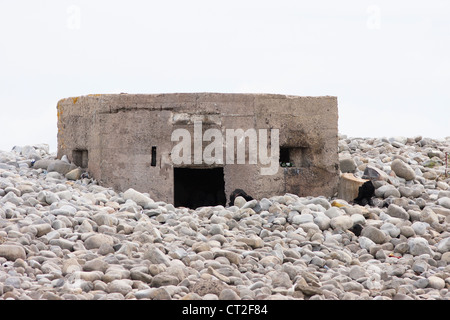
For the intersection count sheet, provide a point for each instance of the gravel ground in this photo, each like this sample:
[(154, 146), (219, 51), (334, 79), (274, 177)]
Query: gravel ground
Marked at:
[(66, 237)]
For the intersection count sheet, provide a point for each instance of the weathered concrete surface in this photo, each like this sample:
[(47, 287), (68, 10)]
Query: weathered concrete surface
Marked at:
[(119, 130)]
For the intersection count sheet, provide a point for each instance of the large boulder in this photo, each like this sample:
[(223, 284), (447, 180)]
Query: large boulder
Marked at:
[(140, 199), (342, 222), (403, 170), (419, 246), (347, 164), (443, 246), (12, 252), (61, 167), (42, 164), (96, 240), (397, 212), (374, 234), (74, 174), (374, 174)]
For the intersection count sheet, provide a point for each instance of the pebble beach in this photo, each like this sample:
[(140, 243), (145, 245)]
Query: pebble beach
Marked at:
[(63, 236)]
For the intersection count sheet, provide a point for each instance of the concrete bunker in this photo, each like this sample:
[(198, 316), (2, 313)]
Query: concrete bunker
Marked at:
[(124, 141)]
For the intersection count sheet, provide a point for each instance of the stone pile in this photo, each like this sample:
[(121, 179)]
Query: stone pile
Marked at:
[(66, 237)]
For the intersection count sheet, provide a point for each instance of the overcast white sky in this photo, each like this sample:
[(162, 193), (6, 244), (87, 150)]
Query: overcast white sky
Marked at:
[(388, 62)]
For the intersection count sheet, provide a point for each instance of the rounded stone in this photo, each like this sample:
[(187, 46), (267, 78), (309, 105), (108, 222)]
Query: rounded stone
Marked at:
[(420, 266), (12, 252), (374, 234), (403, 170), (356, 272), (228, 294), (397, 212), (96, 240), (419, 246), (436, 282), (122, 286), (343, 222), (239, 201)]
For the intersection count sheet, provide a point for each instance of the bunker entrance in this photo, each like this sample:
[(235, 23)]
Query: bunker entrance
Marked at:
[(195, 188)]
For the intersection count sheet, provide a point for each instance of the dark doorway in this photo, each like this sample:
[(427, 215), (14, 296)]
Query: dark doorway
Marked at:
[(195, 188), (80, 158)]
